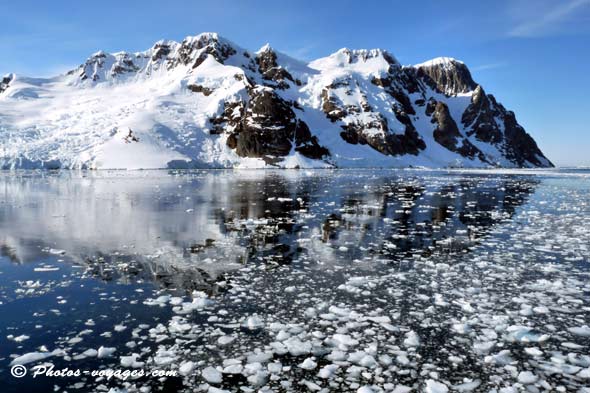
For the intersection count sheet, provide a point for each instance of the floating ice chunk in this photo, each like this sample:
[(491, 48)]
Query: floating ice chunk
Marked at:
[(56, 251), (527, 377), (541, 310), (501, 358), (131, 361), (74, 340), (402, 389), (274, 368), (412, 339), (467, 386), (342, 341), (584, 374), (253, 322), (46, 269), (580, 331), (364, 389), (533, 351), (90, 352), (525, 334), (235, 368), (461, 328), (164, 358), (328, 371), (105, 352), (433, 386), (296, 347), (160, 301), (308, 364), (368, 361), (402, 359), (18, 339), (213, 389), (34, 357), (439, 300), (178, 326), (225, 340), (484, 347), (186, 368), (212, 375)]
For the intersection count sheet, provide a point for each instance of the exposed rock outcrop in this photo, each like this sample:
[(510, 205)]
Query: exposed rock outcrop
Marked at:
[(266, 127), (447, 133), (446, 75), (266, 59), (5, 82)]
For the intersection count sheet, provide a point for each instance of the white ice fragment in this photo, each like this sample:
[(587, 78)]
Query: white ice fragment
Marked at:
[(433, 386), (253, 322), (308, 364), (412, 339), (467, 386), (212, 375), (186, 368), (527, 377), (580, 331), (105, 352), (328, 371), (533, 351), (18, 339), (225, 340), (33, 357)]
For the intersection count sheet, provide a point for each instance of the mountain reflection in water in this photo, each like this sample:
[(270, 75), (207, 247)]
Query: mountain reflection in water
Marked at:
[(190, 230)]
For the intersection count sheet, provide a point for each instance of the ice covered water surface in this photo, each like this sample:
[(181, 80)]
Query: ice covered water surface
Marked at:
[(360, 281)]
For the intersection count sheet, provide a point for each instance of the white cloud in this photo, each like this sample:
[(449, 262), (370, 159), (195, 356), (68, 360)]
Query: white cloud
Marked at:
[(541, 21), (489, 66)]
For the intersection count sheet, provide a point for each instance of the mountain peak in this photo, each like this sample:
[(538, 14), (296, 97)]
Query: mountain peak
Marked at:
[(265, 48), (440, 61), (447, 75), (363, 55)]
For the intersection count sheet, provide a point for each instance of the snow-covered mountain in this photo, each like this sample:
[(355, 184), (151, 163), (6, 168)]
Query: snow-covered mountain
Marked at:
[(207, 103)]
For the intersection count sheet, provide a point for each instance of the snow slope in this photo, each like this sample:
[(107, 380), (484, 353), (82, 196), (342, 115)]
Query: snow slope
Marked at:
[(207, 103)]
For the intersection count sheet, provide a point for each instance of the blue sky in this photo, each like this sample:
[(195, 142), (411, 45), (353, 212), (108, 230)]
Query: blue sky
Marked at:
[(531, 54)]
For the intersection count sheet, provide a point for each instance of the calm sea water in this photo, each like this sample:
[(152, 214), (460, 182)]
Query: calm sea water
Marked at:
[(297, 280)]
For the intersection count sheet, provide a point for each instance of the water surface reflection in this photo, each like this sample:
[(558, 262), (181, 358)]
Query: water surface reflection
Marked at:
[(189, 230)]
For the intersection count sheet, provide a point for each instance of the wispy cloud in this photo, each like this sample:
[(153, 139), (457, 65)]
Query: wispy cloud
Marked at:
[(547, 21), (489, 66)]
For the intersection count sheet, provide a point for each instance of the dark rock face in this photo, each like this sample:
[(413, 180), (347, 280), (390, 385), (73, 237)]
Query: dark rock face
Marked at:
[(448, 135), (124, 65), (199, 89), (449, 77), (160, 51), (266, 127), (270, 70), (520, 146), (485, 118), (5, 82), (374, 129), (479, 118), (212, 46)]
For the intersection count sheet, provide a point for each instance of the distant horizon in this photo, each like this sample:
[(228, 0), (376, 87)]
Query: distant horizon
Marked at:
[(531, 55)]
